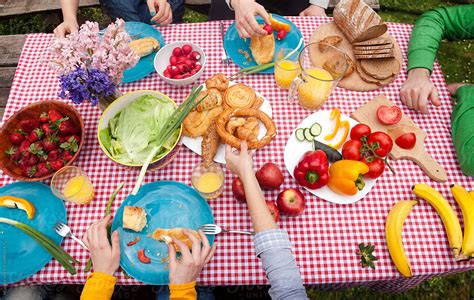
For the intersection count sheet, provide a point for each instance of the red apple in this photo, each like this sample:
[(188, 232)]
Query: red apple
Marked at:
[(291, 202), (273, 210), (238, 190), (269, 176)]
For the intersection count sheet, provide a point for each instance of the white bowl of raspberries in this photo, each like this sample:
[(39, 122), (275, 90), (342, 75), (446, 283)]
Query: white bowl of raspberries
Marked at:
[(180, 63), (40, 139)]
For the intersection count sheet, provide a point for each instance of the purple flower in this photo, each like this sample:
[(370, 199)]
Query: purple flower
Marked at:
[(86, 84)]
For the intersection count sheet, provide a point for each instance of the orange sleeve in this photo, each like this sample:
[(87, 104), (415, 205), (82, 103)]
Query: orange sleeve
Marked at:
[(185, 291), (99, 286)]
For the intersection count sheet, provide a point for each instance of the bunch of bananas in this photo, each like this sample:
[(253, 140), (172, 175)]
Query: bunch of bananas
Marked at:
[(463, 247)]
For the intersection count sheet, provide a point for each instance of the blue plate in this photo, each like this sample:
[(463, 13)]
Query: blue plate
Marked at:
[(168, 204), (21, 255), (233, 43), (144, 67)]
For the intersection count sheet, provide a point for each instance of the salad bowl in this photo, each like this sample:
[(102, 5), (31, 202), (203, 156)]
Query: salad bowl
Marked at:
[(164, 157)]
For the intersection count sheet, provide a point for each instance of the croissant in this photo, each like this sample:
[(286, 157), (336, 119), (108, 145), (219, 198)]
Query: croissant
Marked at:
[(144, 46), (218, 81)]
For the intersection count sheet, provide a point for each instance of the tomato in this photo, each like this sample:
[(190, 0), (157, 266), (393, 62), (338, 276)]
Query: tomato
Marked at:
[(351, 150), (142, 257), (406, 140), (383, 140), (389, 115), (360, 130), (376, 166)]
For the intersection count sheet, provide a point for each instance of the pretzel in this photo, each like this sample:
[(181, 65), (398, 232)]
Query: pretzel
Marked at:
[(232, 140)]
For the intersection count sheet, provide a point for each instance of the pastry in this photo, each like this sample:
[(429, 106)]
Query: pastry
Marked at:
[(249, 130), (233, 124), (213, 99), (165, 235), (234, 141), (144, 46), (134, 218), (197, 122), (239, 96), (209, 145), (333, 40), (258, 102), (218, 81), (263, 48)]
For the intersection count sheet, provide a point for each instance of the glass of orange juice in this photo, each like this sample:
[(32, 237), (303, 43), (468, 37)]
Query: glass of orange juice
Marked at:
[(72, 184), (208, 180), (286, 67), (321, 71)]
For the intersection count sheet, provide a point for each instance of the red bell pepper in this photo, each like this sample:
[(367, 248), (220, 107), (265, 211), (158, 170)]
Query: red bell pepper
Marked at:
[(312, 170)]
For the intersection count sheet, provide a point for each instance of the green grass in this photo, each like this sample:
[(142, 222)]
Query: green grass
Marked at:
[(456, 61)]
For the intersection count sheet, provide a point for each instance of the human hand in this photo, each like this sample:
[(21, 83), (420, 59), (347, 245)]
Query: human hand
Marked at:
[(105, 258), (65, 28), (417, 89), (313, 10), (245, 12), (453, 87), (239, 162), (187, 268), (160, 11)]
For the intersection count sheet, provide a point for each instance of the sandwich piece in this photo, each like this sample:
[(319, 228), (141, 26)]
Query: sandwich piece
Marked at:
[(144, 46), (165, 235), (134, 218), (263, 48)]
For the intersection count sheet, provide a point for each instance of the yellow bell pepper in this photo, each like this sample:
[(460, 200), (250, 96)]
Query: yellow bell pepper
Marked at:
[(345, 176), (346, 126), (19, 203), (335, 115)]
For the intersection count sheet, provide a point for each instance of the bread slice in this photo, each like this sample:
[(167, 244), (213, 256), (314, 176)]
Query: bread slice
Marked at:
[(134, 218), (373, 56), (263, 48), (373, 51), (165, 235), (373, 47), (372, 42), (333, 40), (380, 68), (367, 78)]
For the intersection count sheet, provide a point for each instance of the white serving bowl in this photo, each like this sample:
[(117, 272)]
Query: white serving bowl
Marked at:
[(162, 60)]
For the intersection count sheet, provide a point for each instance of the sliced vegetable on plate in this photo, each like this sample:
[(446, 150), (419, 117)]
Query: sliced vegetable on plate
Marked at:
[(18, 203), (389, 115)]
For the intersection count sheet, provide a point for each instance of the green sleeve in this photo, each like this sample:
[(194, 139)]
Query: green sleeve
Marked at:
[(463, 128), (452, 23)]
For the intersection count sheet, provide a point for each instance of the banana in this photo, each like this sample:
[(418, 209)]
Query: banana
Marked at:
[(393, 235), (466, 202), (445, 211)]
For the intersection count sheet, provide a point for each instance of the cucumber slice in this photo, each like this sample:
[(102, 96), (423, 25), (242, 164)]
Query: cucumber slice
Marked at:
[(299, 134), (315, 129), (307, 135)]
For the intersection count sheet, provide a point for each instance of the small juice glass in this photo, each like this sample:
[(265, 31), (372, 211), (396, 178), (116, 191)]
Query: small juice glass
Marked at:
[(72, 184), (286, 68), (208, 180)]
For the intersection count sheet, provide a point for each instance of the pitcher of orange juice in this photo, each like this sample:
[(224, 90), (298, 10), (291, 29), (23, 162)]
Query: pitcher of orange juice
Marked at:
[(322, 66)]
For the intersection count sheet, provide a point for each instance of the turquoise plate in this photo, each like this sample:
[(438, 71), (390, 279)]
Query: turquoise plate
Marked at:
[(21, 255), (168, 204), (144, 67), (233, 43)]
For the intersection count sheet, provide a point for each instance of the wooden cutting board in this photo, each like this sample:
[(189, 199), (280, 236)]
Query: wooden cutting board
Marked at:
[(367, 114), (352, 82)]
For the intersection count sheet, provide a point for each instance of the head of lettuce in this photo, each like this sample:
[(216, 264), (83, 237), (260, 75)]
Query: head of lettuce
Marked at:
[(133, 133)]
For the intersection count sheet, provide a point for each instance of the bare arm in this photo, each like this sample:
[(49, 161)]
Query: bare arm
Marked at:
[(69, 24)]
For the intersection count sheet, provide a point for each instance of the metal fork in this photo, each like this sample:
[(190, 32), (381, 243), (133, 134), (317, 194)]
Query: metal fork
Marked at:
[(65, 231), (214, 229), (225, 60)]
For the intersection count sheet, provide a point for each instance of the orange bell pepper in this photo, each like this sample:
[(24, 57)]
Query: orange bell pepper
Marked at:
[(19, 203), (345, 176)]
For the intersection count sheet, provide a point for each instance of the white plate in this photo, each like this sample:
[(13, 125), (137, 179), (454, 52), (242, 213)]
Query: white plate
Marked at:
[(194, 144), (295, 149)]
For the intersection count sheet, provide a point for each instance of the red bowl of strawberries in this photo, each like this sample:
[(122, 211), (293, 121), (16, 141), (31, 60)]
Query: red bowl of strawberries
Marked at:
[(40, 139)]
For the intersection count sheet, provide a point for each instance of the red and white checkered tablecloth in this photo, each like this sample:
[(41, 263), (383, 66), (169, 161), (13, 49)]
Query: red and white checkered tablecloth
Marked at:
[(326, 236)]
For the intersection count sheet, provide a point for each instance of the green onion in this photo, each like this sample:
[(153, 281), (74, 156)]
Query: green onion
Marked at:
[(172, 124), (49, 245), (107, 212)]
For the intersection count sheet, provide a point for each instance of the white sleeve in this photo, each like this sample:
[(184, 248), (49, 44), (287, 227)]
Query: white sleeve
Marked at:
[(320, 3), (230, 7)]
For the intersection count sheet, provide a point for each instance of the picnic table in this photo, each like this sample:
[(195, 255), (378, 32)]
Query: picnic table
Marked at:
[(325, 237)]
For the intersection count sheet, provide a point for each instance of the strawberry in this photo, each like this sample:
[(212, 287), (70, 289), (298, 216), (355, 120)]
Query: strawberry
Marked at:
[(36, 148), (57, 164), (75, 137), (61, 139), (54, 115), (24, 147), (70, 145), (13, 153), (29, 125), (28, 160), (30, 171), (48, 130), (67, 155), (44, 117), (50, 143), (16, 139), (67, 127), (35, 135), (43, 169), (43, 158), (53, 155)]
